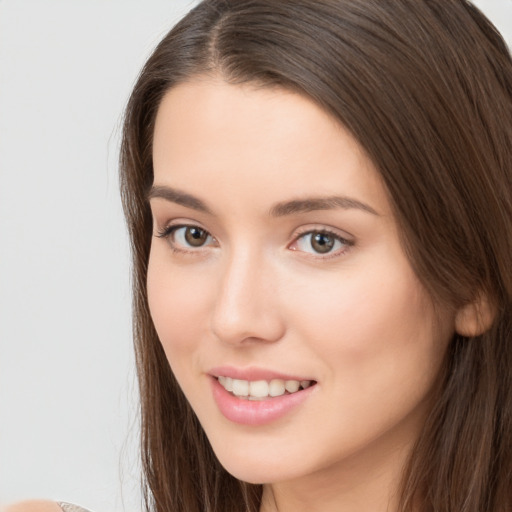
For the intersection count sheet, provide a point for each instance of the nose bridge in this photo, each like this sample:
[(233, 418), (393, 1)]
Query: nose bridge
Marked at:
[(245, 306)]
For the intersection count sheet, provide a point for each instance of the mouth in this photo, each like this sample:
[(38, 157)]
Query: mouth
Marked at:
[(261, 390), (262, 398)]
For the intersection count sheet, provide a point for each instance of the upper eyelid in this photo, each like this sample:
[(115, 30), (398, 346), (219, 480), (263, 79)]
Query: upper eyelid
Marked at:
[(320, 230), (305, 228), (178, 223), (297, 233), (300, 232), (167, 233), (344, 240), (171, 228)]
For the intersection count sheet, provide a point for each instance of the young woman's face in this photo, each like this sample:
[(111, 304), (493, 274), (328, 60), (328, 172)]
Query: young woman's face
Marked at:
[(276, 269)]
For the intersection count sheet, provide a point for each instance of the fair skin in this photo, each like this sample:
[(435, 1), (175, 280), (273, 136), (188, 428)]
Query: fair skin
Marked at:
[(243, 280), (295, 269), (32, 506), (291, 265)]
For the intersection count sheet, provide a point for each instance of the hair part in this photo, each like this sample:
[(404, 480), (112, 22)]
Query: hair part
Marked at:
[(426, 89)]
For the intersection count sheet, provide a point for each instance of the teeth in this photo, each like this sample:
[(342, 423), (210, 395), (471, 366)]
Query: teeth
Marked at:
[(260, 389), (292, 385), (276, 387), (240, 387)]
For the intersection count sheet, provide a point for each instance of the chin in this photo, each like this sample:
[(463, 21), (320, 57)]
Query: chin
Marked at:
[(258, 465), (255, 473)]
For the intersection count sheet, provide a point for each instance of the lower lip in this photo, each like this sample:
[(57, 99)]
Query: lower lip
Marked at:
[(256, 412)]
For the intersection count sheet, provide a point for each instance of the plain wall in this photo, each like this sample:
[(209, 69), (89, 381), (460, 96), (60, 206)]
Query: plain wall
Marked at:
[(67, 389), (68, 401)]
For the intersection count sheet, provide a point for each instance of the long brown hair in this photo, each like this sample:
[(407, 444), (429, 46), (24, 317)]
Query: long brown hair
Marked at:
[(425, 86)]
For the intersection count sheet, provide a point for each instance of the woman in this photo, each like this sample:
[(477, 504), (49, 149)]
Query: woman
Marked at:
[(319, 200), (319, 197)]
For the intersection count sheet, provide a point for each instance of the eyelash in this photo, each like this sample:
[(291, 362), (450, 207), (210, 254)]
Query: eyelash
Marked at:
[(169, 231), (326, 232)]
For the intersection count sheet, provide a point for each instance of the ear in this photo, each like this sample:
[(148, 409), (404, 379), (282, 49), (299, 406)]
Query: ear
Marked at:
[(475, 318)]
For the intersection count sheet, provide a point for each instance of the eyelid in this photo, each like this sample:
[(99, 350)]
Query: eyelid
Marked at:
[(171, 225), (320, 228), (168, 231), (343, 237)]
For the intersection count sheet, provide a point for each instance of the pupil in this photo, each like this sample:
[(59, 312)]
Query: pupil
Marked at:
[(322, 243), (195, 237)]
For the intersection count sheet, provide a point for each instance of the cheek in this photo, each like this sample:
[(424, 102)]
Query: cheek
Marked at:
[(374, 327), (178, 303), (373, 333)]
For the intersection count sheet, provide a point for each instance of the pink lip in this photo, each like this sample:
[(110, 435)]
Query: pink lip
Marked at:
[(257, 412), (252, 373)]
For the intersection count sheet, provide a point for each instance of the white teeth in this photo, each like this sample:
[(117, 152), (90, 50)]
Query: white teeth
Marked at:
[(292, 386), (258, 389), (261, 389), (240, 387), (276, 387)]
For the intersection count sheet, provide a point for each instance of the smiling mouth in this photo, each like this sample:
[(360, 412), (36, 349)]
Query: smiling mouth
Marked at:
[(263, 389)]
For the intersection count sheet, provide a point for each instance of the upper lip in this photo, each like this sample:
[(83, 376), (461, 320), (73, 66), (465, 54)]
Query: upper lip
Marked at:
[(253, 373)]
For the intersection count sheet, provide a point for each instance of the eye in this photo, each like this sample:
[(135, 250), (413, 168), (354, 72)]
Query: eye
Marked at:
[(186, 237), (321, 242)]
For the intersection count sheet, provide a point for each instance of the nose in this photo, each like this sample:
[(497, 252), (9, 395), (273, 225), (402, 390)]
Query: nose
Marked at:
[(246, 308)]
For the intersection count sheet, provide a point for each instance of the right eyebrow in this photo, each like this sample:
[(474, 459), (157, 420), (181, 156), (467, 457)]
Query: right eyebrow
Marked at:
[(177, 196), (312, 204)]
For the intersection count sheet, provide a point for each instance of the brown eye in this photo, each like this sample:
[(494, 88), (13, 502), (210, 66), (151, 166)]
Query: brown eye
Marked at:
[(183, 238), (322, 242), (194, 236)]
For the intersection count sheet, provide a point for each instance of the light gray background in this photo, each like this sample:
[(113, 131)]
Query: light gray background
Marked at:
[(68, 396)]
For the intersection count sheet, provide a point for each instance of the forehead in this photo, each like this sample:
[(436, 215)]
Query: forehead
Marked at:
[(211, 135)]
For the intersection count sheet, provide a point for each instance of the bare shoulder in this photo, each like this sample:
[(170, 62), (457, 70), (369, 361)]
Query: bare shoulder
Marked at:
[(32, 506)]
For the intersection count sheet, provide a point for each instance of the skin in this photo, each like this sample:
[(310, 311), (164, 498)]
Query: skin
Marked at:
[(356, 319), (32, 506)]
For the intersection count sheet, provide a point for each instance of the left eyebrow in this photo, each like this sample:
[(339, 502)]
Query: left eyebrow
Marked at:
[(311, 204), (179, 197)]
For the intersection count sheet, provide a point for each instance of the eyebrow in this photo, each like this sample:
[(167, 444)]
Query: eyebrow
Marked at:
[(311, 204), (282, 209), (179, 197)]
